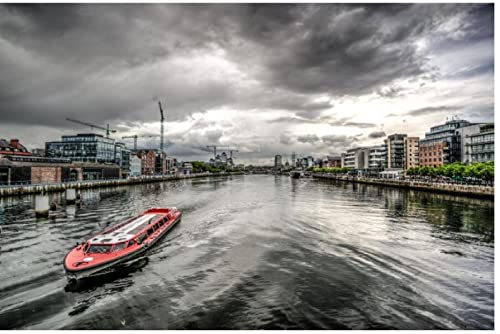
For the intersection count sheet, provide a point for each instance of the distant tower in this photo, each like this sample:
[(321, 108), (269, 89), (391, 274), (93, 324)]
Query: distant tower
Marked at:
[(294, 162)]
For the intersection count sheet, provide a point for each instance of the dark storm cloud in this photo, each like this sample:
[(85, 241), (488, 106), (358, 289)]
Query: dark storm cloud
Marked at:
[(69, 59), (341, 49), (111, 63)]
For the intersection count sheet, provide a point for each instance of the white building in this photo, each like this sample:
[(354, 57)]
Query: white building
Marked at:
[(377, 158), (357, 158)]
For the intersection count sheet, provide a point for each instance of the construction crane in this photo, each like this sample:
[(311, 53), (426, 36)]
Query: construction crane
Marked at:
[(215, 149), (161, 131), (231, 153), (136, 136), (107, 129)]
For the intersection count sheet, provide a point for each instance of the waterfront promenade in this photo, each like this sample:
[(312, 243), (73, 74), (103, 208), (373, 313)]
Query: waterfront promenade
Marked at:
[(16, 190), (449, 188)]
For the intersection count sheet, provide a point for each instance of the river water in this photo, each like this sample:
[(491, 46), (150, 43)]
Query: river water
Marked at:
[(258, 251)]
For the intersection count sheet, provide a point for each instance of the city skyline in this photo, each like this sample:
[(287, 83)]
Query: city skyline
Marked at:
[(266, 79)]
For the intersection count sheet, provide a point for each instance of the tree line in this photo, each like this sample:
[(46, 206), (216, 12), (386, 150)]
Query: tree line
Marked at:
[(479, 170)]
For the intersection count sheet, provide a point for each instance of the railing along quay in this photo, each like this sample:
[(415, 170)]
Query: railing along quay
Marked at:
[(440, 187), (23, 189)]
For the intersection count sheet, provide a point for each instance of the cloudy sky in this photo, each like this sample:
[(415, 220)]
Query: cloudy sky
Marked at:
[(265, 79)]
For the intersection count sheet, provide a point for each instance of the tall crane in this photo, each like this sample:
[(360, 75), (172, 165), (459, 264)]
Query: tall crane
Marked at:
[(107, 129), (231, 153), (215, 149), (161, 131), (136, 136)]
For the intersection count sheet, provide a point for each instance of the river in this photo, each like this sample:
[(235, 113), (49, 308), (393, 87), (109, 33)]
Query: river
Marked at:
[(258, 251)]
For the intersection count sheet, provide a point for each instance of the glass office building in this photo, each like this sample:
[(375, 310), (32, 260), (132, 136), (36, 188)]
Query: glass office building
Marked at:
[(83, 148)]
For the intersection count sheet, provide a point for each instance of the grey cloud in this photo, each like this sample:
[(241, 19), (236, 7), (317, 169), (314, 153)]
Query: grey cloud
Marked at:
[(286, 139), (376, 134), (432, 110), (360, 124), (310, 139)]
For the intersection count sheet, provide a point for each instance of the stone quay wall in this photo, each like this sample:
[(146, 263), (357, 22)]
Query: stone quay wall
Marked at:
[(449, 188), (55, 187)]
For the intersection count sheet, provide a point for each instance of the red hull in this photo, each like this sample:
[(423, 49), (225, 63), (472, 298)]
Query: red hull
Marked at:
[(120, 243)]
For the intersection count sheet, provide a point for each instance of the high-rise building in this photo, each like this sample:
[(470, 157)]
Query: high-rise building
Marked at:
[(480, 146), (277, 161), (395, 151), (411, 152)]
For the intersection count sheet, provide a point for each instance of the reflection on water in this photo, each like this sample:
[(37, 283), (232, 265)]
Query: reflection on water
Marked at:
[(258, 251)]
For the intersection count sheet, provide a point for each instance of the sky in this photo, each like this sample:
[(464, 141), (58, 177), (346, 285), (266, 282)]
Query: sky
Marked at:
[(265, 79)]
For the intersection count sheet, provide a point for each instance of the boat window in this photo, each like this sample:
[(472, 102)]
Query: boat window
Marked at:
[(99, 249), (142, 237), (131, 243), (150, 231), (119, 247)]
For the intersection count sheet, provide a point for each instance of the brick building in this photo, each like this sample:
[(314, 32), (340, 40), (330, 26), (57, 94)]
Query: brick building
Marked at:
[(148, 161), (38, 170), (433, 154), (13, 147)]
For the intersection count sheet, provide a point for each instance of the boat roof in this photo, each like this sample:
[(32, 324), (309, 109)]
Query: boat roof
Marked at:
[(127, 231)]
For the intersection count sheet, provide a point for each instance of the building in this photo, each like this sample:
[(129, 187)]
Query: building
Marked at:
[(148, 161), (185, 169), (170, 162), (12, 147), (135, 165), (332, 161), (480, 146), (277, 162), (433, 154), (445, 143), (83, 148), (357, 158), (122, 158), (377, 157), (307, 162), (411, 152), (161, 163), (38, 152), (38, 170), (395, 151)]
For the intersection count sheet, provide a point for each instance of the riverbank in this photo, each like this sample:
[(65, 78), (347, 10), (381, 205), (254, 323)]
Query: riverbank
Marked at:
[(55, 187), (448, 188)]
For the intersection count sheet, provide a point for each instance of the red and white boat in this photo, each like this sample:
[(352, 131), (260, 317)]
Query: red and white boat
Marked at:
[(120, 243)]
